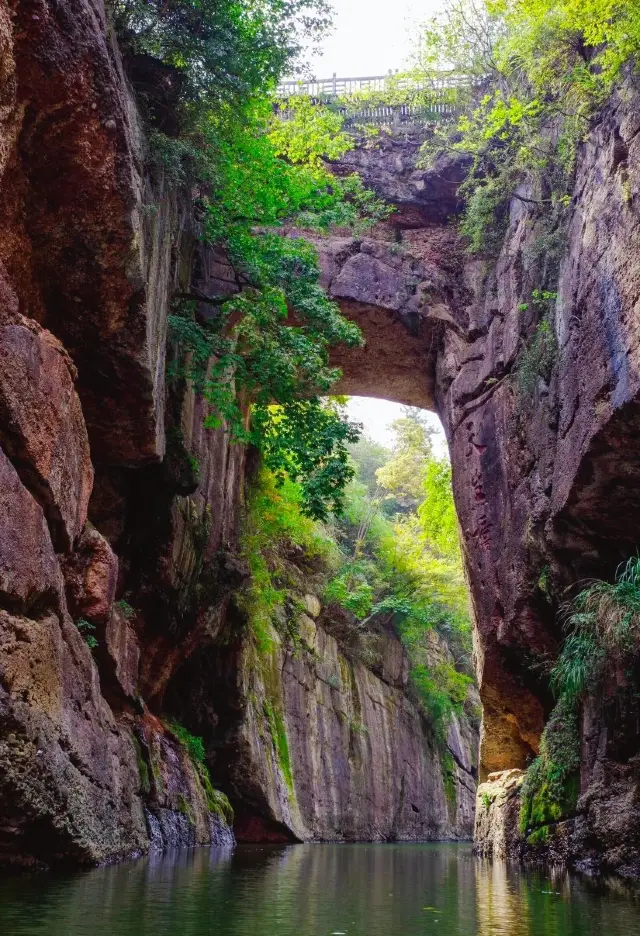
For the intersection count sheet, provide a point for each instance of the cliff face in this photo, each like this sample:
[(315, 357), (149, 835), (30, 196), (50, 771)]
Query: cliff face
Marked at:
[(547, 487), (545, 466), (112, 533), (312, 744), (85, 275), (117, 545)]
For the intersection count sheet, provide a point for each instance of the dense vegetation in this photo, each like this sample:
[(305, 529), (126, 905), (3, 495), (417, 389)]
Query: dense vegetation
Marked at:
[(602, 628), (538, 71), (390, 559), (204, 71)]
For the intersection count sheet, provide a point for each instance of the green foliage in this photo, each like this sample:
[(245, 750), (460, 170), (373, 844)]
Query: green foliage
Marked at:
[(540, 69), (87, 630), (403, 476), (278, 734), (217, 801), (273, 522), (437, 512), (550, 789), (351, 590), (175, 158), (602, 625), (143, 770), (185, 807), (193, 745), (410, 567), (488, 800), (442, 691), (125, 609), (368, 457), (220, 53), (305, 439), (214, 65), (536, 360), (449, 777)]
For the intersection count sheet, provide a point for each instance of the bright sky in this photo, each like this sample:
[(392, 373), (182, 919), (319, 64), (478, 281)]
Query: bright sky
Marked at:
[(377, 415), (371, 36)]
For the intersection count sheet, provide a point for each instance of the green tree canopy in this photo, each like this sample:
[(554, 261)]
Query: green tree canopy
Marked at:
[(403, 476)]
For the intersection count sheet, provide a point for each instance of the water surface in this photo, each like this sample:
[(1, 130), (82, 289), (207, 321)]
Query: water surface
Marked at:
[(315, 890)]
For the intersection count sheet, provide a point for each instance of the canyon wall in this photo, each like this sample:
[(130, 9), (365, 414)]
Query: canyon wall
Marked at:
[(313, 744), (118, 551), (545, 464), (120, 508)]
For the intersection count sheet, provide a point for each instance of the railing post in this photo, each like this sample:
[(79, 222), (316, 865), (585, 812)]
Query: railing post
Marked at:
[(335, 84)]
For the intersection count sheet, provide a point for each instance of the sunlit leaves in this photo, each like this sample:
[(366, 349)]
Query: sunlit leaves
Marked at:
[(545, 66)]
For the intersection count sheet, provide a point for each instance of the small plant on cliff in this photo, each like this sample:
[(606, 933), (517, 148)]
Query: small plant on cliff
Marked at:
[(125, 609), (602, 625), (88, 632), (278, 732), (217, 802), (193, 745), (536, 359)]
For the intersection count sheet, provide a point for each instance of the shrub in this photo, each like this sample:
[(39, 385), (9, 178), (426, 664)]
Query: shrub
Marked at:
[(537, 359), (192, 744), (602, 624), (274, 525), (539, 69), (87, 630)]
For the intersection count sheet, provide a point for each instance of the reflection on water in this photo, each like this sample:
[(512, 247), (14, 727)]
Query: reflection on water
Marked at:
[(314, 890)]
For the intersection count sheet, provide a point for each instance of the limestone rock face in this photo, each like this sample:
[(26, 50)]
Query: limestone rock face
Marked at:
[(76, 245), (402, 298), (315, 746), (388, 164), (545, 478), (45, 432), (64, 760)]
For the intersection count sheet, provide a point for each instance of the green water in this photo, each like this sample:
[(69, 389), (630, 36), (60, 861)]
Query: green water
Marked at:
[(315, 890)]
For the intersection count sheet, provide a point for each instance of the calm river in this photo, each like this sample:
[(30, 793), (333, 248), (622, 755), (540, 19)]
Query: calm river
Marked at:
[(314, 890)]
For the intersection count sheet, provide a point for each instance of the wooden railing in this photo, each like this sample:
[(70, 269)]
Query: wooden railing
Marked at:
[(435, 100), (344, 87)]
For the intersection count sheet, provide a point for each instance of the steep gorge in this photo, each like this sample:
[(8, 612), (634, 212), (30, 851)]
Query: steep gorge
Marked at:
[(109, 526), (101, 501)]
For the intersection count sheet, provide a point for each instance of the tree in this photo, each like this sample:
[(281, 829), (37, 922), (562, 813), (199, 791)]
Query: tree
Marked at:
[(211, 65), (368, 456), (537, 71), (437, 512), (403, 476)]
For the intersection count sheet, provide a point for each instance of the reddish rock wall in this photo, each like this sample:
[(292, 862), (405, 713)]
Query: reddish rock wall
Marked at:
[(545, 476), (86, 271), (90, 250)]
